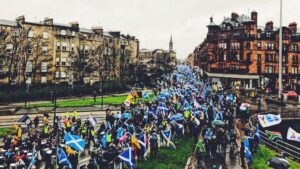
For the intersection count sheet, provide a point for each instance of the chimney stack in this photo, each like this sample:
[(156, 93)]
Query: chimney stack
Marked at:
[(269, 26), (98, 30), (234, 15), (254, 16), (48, 21), (293, 27), (21, 19)]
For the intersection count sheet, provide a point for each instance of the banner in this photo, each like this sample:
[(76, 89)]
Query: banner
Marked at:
[(269, 120), (293, 135)]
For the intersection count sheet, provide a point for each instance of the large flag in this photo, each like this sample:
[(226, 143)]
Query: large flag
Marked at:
[(127, 157), (32, 163), (93, 120), (167, 136), (293, 135), (103, 140), (146, 95), (247, 150), (129, 100), (62, 158), (269, 120), (74, 141), (273, 135), (25, 119), (162, 107), (143, 143)]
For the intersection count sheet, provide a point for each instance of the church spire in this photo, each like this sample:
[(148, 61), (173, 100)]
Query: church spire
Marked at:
[(171, 44)]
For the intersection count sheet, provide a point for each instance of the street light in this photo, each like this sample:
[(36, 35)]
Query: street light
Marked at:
[(280, 55)]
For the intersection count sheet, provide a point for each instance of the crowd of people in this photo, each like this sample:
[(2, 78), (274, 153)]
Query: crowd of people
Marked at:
[(185, 105)]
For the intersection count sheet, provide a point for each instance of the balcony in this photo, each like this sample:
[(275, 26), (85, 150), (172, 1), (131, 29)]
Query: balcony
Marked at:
[(229, 71)]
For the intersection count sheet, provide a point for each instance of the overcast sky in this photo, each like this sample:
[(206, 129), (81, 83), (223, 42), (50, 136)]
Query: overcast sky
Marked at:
[(151, 21)]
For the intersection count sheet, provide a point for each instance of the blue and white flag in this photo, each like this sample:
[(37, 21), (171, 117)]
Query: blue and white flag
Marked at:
[(269, 120), (162, 107), (187, 106), (142, 141), (146, 95), (93, 120), (167, 136), (74, 141), (247, 150), (25, 119), (32, 163), (127, 157), (103, 140), (62, 158)]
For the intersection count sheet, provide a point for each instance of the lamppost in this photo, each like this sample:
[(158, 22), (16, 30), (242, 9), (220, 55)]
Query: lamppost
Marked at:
[(27, 92), (280, 55), (101, 89)]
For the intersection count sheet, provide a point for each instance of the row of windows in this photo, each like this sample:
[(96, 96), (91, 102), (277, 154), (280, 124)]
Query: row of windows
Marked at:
[(271, 69), (269, 46), (44, 67)]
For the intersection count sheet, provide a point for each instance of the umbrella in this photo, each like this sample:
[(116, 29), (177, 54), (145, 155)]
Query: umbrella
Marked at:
[(117, 116), (126, 116), (176, 117), (277, 162), (218, 122)]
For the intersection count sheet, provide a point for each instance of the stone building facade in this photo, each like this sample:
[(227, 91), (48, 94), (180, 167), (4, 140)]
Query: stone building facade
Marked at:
[(48, 52), (241, 53)]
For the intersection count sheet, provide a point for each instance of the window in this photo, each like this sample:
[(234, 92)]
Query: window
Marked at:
[(285, 59), (28, 67), (63, 61), (259, 46), (44, 67), (9, 48), (43, 79), (294, 47), (44, 50), (236, 24), (30, 34), (73, 33), (269, 69), (73, 47), (223, 45), (248, 45), (72, 62), (63, 32), (295, 70), (259, 57), (64, 46), (270, 46), (85, 36), (268, 34), (295, 59), (284, 69), (57, 62), (45, 35), (29, 50), (56, 74), (258, 35), (285, 47), (63, 74), (58, 46)]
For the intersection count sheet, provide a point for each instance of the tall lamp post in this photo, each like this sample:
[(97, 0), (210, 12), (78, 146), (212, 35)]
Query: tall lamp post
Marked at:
[(280, 55)]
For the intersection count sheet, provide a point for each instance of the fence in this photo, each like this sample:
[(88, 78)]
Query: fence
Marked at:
[(279, 145)]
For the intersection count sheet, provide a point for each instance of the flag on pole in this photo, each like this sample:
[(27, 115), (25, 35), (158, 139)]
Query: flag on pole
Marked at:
[(162, 107), (273, 135), (247, 150), (74, 141), (129, 100), (62, 158), (127, 157), (293, 135), (143, 143), (25, 119), (269, 120), (32, 163), (167, 136), (93, 120), (146, 95)]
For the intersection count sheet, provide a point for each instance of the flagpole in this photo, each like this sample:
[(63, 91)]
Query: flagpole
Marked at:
[(280, 55)]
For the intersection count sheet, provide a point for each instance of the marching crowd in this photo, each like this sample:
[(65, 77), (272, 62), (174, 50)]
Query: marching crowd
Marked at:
[(186, 105)]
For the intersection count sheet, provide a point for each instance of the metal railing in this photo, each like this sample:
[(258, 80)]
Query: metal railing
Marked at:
[(279, 145)]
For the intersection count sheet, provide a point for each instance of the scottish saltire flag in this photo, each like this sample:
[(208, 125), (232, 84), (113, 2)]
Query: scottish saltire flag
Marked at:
[(93, 120), (269, 120), (25, 119), (142, 141), (273, 135), (293, 135), (62, 158), (32, 163), (103, 140), (74, 141), (167, 136), (162, 107), (146, 95), (127, 157), (247, 150)]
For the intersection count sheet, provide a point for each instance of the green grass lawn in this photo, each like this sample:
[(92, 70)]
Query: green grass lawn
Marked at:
[(3, 131), (113, 100), (263, 154), (168, 159)]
